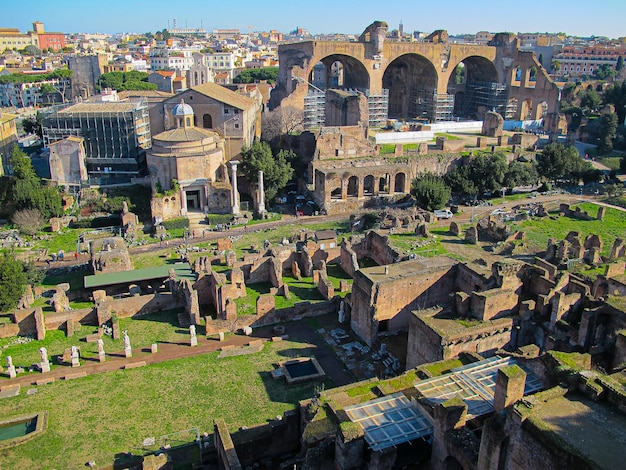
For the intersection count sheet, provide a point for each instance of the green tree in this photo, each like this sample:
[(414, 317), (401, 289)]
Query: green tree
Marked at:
[(430, 191), (47, 91), (277, 170), (12, 279), (31, 50), (28, 192), (558, 161), (269, 74), (590, 100), (459, 182), (620, 64), (120, 81), (604, 72), (616, 95), (520, 174), (608, 128)]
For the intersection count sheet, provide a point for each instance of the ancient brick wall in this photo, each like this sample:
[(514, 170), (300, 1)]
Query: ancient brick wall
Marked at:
[(485, 340), (469, 280), (424, 344), (274, 439), (489, 304), (392, 300)]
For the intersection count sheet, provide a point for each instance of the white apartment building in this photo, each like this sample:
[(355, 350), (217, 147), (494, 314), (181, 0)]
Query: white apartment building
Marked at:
[(172, 59)]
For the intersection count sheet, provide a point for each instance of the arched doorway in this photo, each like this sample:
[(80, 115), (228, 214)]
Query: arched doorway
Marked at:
[(368, 185), (207, 121), (353, 187), (399, 183)]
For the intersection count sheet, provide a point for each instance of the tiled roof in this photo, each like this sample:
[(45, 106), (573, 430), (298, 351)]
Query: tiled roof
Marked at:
[(219, 93)]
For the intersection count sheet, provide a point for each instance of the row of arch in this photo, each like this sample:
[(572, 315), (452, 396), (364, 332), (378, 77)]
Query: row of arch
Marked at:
[(367, 186), (412, 83)]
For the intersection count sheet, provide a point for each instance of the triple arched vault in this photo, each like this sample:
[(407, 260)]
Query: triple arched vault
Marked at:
[(416, 75)]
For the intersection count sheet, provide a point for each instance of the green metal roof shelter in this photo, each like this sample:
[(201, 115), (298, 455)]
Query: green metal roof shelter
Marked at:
[(181, 270)]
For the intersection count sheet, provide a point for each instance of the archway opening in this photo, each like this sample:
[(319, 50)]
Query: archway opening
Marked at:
[(412, 83), (368, 185), (340, 72), (207, 121), (475, 88), (399, 183), (353, 187)]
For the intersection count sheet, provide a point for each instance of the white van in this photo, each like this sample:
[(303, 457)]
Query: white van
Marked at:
[(443, 214)]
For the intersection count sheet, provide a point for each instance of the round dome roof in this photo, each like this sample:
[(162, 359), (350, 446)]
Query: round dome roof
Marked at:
[(182, 109)]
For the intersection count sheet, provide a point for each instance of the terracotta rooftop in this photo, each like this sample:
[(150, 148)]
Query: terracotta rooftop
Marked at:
[(185, 134), (219, 93)]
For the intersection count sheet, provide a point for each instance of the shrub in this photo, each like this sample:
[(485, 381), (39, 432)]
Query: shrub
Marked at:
[(176, 223), (98, 222), (29, 221)]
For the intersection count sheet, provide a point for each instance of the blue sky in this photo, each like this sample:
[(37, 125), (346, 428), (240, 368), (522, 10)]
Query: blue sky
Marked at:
[(576, 17)]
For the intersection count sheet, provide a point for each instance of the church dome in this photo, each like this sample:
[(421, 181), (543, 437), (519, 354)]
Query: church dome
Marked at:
[(182, 109)]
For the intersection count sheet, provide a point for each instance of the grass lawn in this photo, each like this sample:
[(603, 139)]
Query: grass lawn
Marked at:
[(426, 247), (539, 230), (96, 417), (143, 331)]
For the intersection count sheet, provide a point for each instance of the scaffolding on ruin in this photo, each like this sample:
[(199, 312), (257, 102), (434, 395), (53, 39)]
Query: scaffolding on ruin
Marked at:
[(314, 109), (493, 96), (428, 104), (378, 107), (116, 134)]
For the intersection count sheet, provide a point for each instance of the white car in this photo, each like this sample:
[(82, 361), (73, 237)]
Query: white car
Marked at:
[(443, 214), (499, 212)]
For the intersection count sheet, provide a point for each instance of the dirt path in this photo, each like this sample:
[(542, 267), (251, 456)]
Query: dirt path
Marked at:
[(116, 360)]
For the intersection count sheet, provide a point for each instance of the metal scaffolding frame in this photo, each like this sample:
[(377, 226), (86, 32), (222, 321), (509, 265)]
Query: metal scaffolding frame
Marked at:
[(493, 96), (116, 134)]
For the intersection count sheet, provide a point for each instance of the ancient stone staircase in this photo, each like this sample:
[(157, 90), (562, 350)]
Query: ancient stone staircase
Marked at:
[(197, 222)]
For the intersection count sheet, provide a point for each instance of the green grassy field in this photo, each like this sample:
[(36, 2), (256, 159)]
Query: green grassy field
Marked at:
[(539, 230), (97, 417)]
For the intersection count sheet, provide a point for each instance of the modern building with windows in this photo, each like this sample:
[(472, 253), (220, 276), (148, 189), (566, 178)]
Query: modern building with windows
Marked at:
[(576, 61), (116, 136)]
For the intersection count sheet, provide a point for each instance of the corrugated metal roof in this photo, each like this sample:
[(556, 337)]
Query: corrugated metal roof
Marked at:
[(103, 107), (394, 419), (182, 271)]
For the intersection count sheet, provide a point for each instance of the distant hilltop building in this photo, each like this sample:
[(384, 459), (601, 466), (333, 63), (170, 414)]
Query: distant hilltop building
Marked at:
[(576, 61), (11, 38)]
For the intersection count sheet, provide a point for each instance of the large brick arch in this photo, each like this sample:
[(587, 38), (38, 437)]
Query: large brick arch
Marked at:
[(403, 77), (373, 62), (355, 74)]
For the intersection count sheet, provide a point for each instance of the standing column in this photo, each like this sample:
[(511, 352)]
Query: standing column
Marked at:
[(235, 193), (261, 195)]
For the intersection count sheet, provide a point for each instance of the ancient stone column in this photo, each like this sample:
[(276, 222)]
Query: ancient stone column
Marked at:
[(261, 194), (11, 368), (235, 194)]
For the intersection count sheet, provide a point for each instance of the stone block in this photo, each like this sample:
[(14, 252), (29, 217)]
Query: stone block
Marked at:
[(265, 304), (224, 244), (454, 228), (76, 375), (154, 348), (343, 286), (471, 236), (135, 365)]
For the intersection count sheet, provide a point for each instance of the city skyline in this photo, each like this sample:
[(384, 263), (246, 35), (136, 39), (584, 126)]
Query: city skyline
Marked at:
[(351, 17)]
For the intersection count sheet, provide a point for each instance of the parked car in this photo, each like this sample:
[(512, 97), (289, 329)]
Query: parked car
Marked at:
[(499, 212), (443, 214)]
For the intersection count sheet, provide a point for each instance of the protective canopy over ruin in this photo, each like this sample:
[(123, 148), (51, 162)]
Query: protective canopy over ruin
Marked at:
[(394, 419), (181, 271)]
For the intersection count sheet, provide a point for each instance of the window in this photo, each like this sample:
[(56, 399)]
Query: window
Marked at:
[(226, 111)]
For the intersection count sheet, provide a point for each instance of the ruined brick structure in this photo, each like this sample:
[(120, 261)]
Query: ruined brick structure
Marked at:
[(408, 70)]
